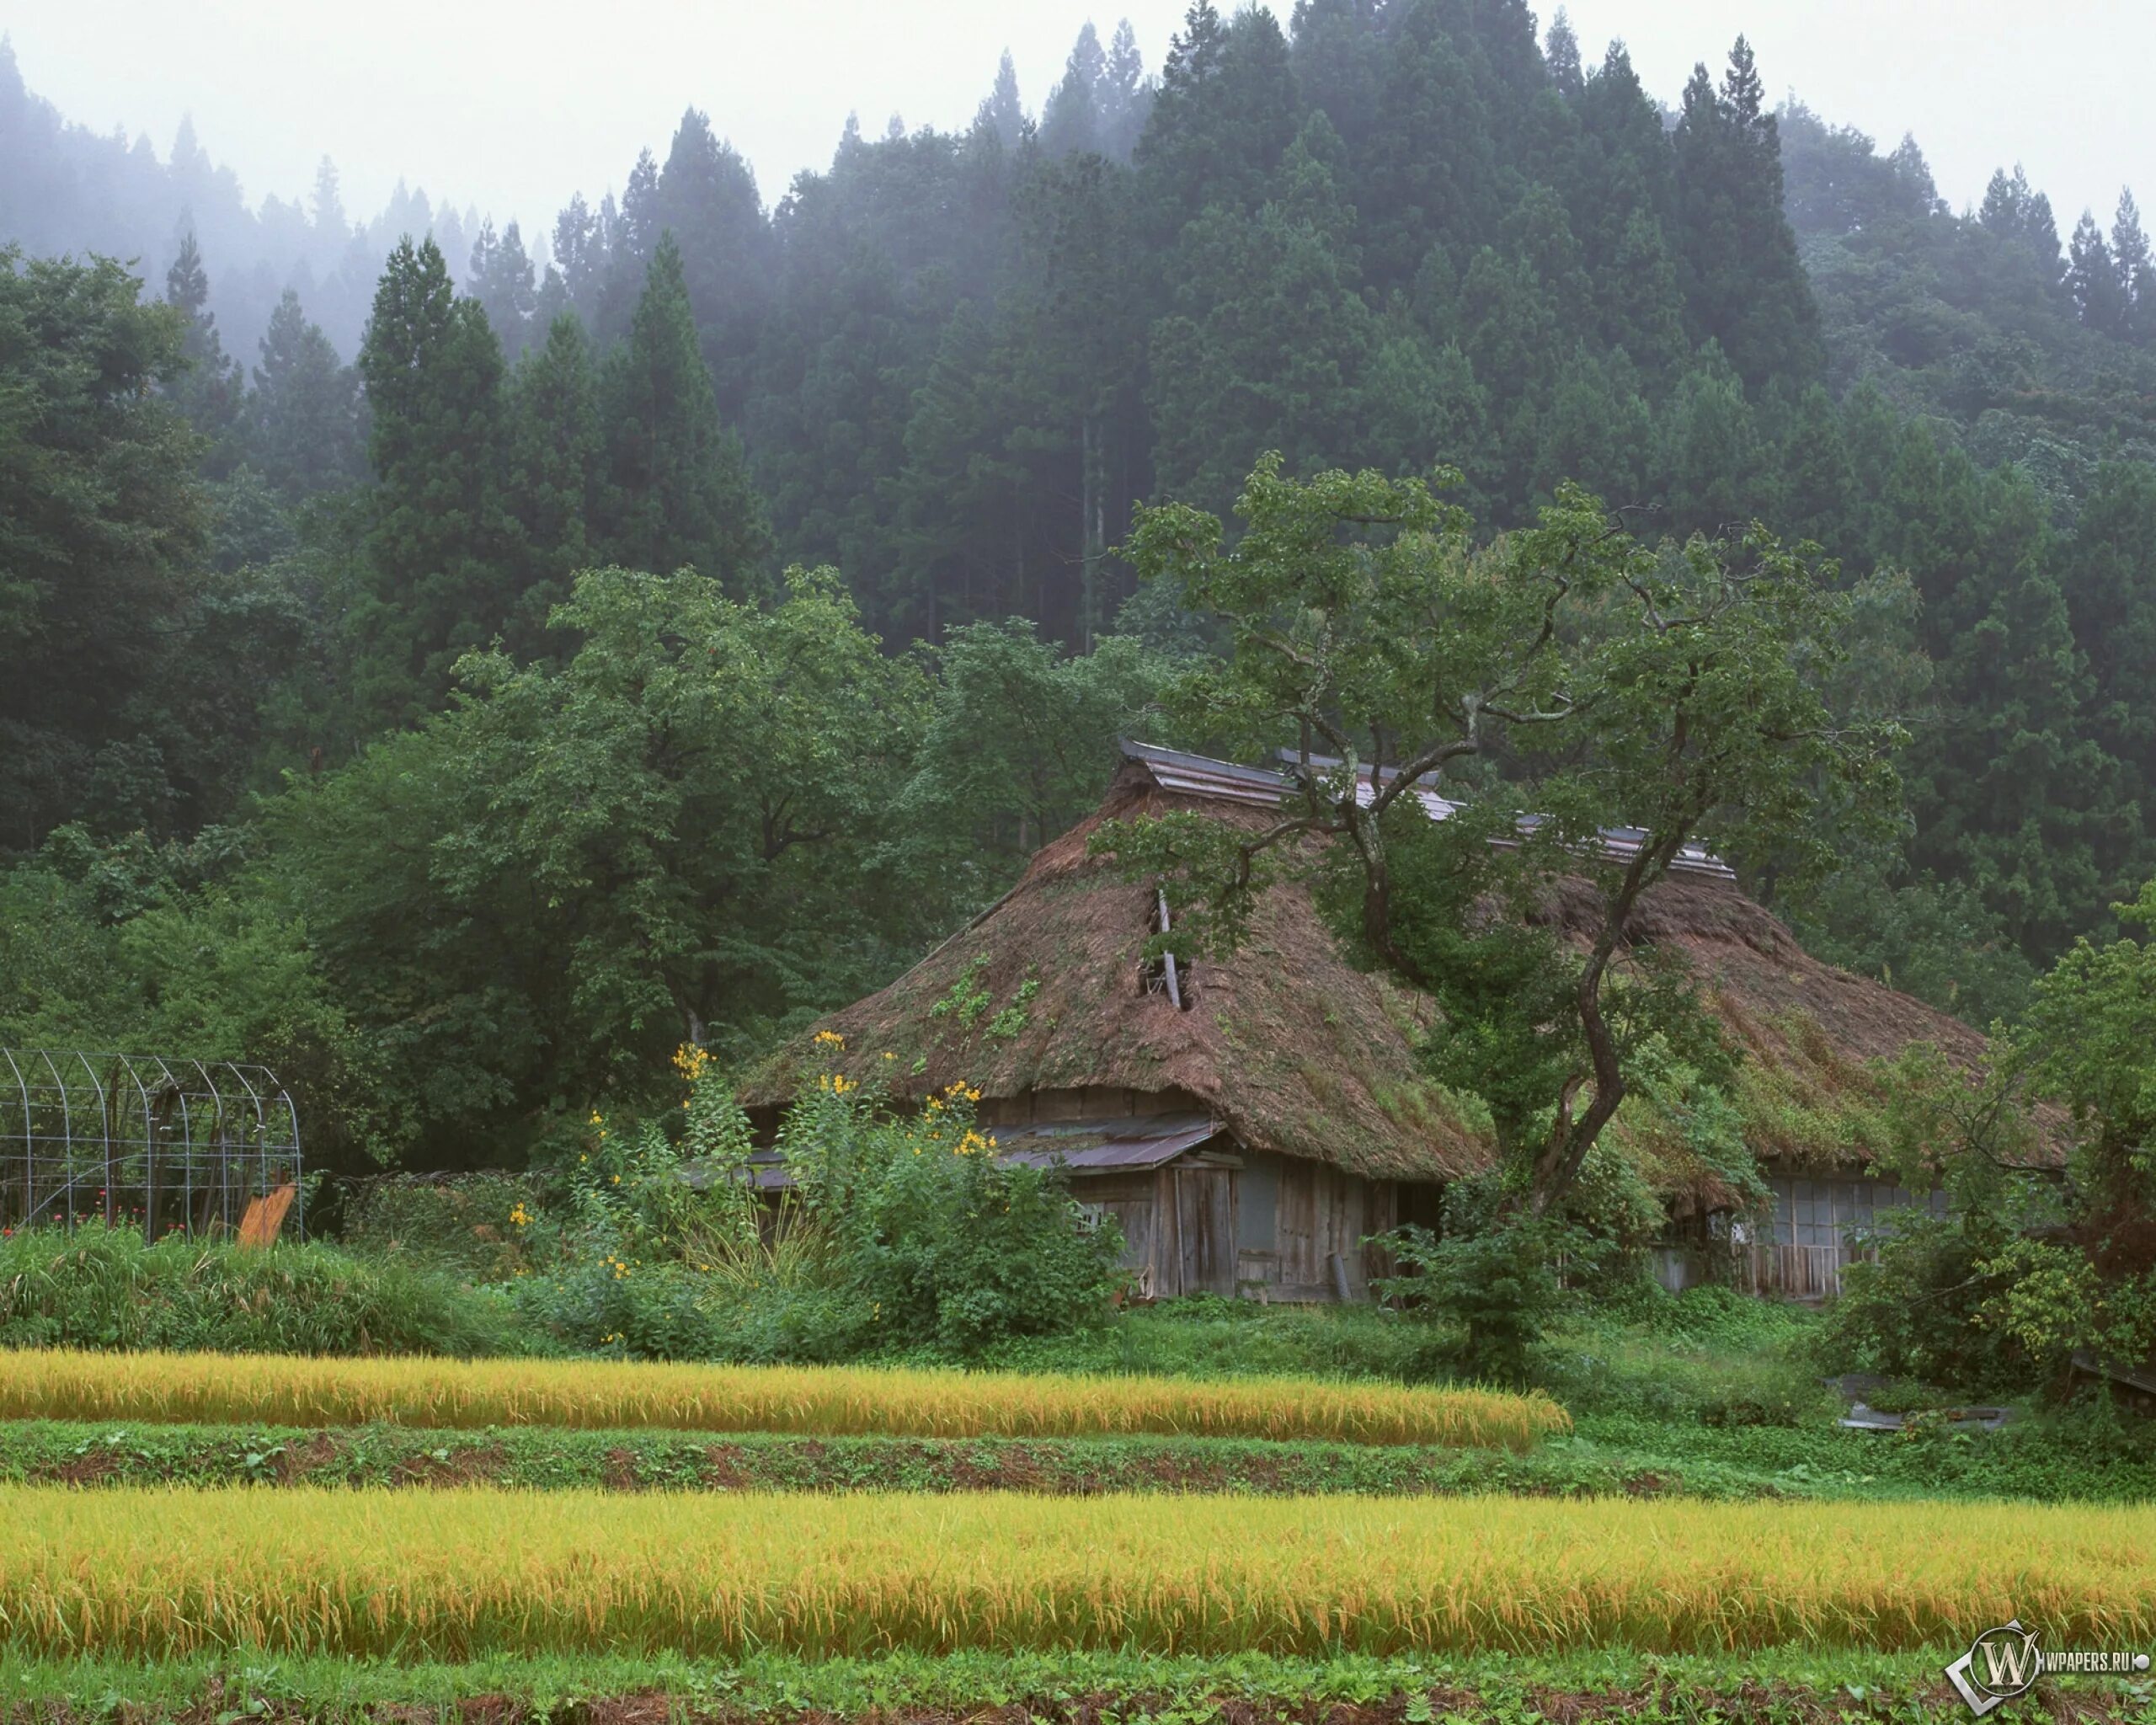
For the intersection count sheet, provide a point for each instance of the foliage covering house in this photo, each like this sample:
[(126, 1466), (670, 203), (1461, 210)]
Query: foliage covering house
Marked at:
[(1249, 1130)]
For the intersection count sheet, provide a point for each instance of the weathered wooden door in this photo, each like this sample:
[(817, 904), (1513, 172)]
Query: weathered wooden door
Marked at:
[(1205, 1230)]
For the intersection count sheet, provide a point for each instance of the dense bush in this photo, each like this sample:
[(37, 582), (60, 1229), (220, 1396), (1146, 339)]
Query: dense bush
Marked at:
[(1916, 1312), (1707, 1357), (104, 1288), (901, 1233), (461, 1223)]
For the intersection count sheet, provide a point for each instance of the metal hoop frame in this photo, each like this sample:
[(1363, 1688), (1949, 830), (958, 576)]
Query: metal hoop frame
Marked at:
[(176, 1146)]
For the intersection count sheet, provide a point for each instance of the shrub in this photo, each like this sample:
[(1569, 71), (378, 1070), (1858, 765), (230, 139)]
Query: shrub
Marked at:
[(1914, 1312), (461, 1223), (903, 1233), (103, 1288), (1707, 1357)]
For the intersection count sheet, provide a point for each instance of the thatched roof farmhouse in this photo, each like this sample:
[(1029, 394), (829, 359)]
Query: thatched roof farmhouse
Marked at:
[(1248, 1133)]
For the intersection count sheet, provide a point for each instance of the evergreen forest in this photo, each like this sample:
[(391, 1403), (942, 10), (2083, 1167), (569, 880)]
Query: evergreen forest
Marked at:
[(457, 666)]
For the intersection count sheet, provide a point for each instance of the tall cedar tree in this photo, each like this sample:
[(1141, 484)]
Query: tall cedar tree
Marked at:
[(305, 422), (1743, 285), (209, 391), (678, 494), (552, 459), (438, 587)]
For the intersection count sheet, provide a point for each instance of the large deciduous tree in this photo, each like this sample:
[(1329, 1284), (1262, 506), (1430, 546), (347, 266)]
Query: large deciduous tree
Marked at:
[(1566, 683), (679, 830)]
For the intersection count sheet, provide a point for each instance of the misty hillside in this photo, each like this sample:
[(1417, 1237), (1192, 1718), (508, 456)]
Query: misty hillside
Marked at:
[(1387, 236)]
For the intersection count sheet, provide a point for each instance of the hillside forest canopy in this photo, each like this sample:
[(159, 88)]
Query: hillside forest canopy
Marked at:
[(460, 666)]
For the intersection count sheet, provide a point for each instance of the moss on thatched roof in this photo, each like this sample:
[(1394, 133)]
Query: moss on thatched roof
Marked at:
[(1299, 1052), (1293, 1047)]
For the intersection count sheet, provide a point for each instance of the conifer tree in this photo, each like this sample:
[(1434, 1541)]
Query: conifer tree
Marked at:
[(1428, 171), (2092, 278), (2136, 274), (1270, 336), (433, 371), (501, 280), (1223, 117), (1071, 121), (1817, 477), (706, 196), (1743, 285), (553, 461), (208, 391), (304, 432), (1563, 51), (1126, 97), (1002, 116), (579, 256), (677, 493)]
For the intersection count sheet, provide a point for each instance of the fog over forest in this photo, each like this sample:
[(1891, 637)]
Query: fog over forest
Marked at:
[(371, 453)]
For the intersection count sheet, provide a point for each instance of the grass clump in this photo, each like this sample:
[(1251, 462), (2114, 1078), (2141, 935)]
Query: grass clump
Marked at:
[(101, 1288), (1206, 1336)]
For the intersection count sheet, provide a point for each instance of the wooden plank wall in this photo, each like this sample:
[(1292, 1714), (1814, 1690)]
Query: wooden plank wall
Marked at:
[(1269, 1230), (1324, 1212)]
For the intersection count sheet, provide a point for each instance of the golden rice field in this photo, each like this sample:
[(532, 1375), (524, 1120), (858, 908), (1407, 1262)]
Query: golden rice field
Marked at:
[(159, 1572), (808, 1400)]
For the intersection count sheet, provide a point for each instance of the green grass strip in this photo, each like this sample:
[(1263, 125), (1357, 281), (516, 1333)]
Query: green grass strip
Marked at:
[(1779, 1685), (1605, 1458), (59, 1452)]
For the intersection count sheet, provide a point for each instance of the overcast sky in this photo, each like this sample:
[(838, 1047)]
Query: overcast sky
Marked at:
[(512, 107)]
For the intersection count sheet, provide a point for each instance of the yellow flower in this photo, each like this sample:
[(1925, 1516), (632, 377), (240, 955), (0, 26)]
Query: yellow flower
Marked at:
[(831, 1039), (598, 1118)]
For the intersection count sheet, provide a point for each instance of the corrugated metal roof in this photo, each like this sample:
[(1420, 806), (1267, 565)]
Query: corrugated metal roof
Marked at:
[(1196, 776), (1139, 1142), (1142, 1141)]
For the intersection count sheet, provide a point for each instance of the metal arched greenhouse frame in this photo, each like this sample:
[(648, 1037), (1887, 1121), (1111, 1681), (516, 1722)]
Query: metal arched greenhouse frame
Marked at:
[(138, 1141)]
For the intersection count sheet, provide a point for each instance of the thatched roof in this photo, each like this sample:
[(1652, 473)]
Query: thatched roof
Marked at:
[(1809, 1089), (1299, 1052), (1293, 1047)]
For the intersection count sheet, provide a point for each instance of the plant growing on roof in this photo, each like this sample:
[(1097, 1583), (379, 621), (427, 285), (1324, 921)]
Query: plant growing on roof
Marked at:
[(1577, 681)]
